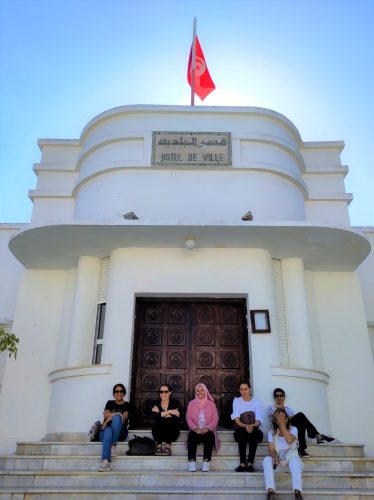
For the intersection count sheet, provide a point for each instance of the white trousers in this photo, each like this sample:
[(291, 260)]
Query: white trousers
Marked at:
[(295, 466)]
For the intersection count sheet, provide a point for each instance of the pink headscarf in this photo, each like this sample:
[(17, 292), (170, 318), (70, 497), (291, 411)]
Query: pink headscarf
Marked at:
[(201, 403)]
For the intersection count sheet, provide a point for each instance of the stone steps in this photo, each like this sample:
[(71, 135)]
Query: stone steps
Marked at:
[(66, 467), (179, 449), (174, 463), (155, 479), (173, 493)]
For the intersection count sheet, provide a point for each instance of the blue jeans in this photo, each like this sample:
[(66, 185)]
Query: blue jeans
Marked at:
[(110, 435)]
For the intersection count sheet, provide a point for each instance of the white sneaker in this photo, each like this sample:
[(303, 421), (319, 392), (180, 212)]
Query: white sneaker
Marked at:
[(192, 466), (113, 451), (205, 467), (105, 466)]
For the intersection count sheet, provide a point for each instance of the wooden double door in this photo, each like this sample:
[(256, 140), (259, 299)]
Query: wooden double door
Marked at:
[(184, 342)]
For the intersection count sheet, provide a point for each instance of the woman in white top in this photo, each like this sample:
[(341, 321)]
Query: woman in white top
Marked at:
[(246, 432), (282, 447)]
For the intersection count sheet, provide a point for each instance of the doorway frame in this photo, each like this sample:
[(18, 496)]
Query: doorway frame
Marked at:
[(192, 298)]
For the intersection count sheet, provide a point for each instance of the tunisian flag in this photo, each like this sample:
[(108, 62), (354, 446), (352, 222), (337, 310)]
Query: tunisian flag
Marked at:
[(203, 83)]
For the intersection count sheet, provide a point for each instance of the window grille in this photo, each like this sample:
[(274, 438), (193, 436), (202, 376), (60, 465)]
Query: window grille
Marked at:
[(100, 311)]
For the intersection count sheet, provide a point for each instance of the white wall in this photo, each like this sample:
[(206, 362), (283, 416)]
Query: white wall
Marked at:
[(347, 356), (366, 275), (189, 195), (25, 396), (65, 327), (52, 208), (330, 213), (10, 274)]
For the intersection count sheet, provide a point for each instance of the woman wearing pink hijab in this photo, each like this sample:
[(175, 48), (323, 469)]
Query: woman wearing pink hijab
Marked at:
[(202, 419)]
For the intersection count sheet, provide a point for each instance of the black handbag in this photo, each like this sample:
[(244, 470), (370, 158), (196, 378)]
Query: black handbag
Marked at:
[(141, 445), (94, 432), (248, 417)]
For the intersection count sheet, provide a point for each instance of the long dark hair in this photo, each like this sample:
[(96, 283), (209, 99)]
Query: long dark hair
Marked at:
[(274, 423)]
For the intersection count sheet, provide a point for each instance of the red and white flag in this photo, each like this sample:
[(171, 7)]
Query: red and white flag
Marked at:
[(203, 84)]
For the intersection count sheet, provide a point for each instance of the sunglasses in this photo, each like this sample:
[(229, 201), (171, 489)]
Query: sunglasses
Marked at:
[(164, 392), (279, 395), (118, 391)]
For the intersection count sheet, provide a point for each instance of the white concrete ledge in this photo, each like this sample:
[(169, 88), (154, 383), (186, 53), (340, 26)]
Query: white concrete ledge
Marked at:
[(287, 371), (79, 371), (59, 244)]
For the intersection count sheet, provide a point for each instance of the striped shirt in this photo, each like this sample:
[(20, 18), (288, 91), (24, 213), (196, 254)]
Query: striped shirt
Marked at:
[(290, 412)]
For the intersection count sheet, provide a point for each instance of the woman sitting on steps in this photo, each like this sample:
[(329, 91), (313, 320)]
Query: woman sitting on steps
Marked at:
[(202, 419), (282, 447), (114, 426), (166, 427)]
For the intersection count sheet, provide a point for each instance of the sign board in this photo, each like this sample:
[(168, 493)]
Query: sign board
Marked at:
[(191, 148)]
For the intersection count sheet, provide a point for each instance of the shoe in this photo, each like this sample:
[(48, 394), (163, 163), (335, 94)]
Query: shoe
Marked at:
[(320, 440), (205, 467), (166, 452), (113, 451), (271, 495), (158, 451), (250, 468), (303, 454), (192, 466), (105, 466), (325, 439), (298, 495), (241, 468)]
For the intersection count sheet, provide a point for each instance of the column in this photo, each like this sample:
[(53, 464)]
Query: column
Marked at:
[(118, 328), (296, 310), (84, 314)]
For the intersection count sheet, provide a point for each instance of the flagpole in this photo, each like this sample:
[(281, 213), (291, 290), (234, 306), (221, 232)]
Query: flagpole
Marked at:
[(193, 68)]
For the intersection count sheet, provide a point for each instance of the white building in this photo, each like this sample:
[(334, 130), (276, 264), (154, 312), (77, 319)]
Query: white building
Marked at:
[(98, 298)]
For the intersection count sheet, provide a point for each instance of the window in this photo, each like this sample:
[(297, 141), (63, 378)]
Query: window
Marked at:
[(100, 311), (99, 334)]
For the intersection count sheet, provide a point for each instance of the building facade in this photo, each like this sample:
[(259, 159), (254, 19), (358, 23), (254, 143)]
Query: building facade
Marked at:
[(183, 244)]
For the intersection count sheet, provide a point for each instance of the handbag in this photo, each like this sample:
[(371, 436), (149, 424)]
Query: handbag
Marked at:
[(248, 417), (141, 445), (94, 432)]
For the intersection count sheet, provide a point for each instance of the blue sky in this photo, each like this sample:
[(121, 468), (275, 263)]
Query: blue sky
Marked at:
[(62, 62)]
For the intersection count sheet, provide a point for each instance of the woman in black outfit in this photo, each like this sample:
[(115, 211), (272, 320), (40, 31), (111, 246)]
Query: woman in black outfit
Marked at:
[(166, 426)]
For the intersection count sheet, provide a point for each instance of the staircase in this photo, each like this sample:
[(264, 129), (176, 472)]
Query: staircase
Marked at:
[(65, 467)]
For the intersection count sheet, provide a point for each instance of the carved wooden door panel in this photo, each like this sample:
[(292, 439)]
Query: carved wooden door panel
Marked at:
[(220, 352), (181, 343), (162, 353)]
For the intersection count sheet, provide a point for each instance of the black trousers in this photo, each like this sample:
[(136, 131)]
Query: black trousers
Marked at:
[(303, 425), (165, 430), (194, 439), (242, 437)]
